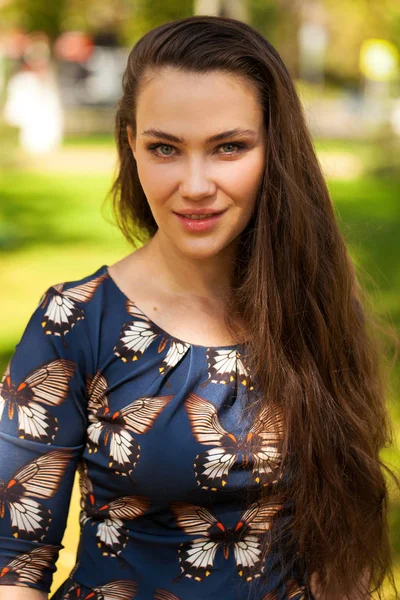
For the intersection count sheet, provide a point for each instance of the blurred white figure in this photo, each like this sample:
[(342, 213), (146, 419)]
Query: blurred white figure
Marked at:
[(33, 102)]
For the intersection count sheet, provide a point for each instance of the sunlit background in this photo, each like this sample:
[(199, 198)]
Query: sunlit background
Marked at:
[(60, 71)]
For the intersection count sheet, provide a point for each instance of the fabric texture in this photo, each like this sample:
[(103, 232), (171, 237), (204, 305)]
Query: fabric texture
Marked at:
[(170, 484)]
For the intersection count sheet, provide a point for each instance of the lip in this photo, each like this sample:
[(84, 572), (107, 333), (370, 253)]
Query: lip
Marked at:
[(199, 224), (200, 211)]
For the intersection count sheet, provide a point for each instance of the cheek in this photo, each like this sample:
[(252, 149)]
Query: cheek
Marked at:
[(158, 180), (243, 178)]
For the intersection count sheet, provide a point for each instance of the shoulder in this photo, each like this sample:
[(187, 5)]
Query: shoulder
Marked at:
[(61, 331), (63, 320), (81, 290), (68, 309), (88, 282), (65, 303)]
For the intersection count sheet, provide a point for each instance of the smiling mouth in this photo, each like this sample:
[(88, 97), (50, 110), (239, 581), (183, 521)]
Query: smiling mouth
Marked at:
[(195, 222), (199, 217)]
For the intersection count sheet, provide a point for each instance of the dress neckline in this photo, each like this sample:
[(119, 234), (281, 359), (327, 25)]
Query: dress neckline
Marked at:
[(105, 270)]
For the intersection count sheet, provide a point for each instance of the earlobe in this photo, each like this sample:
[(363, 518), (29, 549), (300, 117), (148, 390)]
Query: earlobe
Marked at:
[(131, 140)]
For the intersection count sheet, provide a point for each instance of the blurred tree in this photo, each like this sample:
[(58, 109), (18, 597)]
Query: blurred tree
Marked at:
[(35, 15), (104, 19), (146, 14), (278, 21), (348, 23)]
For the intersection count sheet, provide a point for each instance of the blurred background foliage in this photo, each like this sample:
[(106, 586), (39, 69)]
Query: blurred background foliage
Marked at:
[(56, 222), (348, 23)]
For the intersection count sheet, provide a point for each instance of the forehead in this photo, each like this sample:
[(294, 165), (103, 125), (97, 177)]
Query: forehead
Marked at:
[(200, 99)]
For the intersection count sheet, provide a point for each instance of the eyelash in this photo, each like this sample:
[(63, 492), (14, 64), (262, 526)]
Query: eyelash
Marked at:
[(240, 147)]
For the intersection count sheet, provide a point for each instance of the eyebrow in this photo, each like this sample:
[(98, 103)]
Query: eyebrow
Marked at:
[(237, 132)]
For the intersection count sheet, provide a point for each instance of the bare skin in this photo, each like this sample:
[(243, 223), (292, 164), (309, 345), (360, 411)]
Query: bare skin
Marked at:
[(195, 319)]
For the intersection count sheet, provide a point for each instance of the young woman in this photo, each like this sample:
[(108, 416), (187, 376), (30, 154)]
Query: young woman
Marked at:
[(218, 388)]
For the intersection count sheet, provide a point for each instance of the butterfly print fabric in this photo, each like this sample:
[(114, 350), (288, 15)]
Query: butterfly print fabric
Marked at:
[(171, 470), (47, 385), (197, 557), (213, 466), (28, 568)]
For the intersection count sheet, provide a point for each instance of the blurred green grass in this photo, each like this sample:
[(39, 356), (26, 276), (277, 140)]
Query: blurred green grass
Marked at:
[(55, 226)]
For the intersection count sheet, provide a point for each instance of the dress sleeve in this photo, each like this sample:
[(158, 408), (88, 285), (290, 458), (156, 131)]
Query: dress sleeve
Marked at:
[(42, 434)]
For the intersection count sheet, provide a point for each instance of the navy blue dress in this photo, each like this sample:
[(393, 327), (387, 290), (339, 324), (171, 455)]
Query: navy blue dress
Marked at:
[(170, 505)]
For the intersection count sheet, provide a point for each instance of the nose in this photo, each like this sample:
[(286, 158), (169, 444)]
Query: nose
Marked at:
[(196, 182)]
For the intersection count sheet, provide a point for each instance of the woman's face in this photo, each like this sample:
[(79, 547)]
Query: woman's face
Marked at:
[(182, 169)]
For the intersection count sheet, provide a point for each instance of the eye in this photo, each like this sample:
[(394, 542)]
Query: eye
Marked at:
[(167, 151), (237, 147), (154, 147)]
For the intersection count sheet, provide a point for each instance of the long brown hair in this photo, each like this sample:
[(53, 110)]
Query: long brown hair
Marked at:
[(310, 342)]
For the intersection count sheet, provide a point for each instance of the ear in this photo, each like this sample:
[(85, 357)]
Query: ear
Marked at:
[(131, 140)]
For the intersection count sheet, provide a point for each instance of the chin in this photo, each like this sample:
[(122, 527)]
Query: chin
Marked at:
[(209, 250)]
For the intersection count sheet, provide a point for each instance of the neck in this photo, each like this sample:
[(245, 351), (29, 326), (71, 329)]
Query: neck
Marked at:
[(208, 278)]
